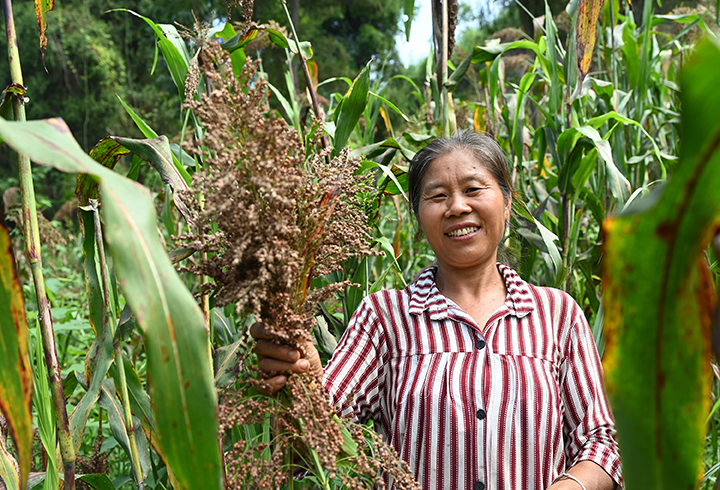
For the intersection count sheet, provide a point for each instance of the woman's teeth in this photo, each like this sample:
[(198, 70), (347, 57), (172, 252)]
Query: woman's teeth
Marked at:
[(462, 231)]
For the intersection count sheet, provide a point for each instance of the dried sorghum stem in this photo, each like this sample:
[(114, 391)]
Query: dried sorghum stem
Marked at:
[(32, 247)]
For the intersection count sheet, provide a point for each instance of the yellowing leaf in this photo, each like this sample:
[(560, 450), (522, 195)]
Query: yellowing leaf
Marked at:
[(42, 7), (659, 301), (588, 16), (17, 383)]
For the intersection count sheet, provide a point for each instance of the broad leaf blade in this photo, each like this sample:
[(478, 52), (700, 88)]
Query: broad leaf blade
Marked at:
[(351, 108), (226, 363), (17, 382), (658, 301), (157, 153), (97, 481), (110, 402), (100, 354), (181, 383)]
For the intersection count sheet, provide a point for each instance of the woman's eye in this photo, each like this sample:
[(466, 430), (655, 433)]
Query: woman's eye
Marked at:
[(473, 190), (438, 196)]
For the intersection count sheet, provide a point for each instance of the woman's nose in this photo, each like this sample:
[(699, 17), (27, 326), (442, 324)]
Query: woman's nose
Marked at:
[(457, 205)]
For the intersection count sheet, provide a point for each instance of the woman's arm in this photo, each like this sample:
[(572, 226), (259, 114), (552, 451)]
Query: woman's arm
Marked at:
[(592, 476), (589, 428), (276, 358)]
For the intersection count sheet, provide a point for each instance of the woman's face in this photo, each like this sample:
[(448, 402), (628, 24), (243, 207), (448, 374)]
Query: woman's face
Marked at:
[(462, 211)]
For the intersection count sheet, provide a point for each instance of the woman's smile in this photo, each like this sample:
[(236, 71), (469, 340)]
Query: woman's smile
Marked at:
[(462, 211)]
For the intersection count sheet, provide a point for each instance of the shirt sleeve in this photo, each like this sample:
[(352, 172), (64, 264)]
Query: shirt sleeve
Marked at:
[(589, 427), (353, 376)]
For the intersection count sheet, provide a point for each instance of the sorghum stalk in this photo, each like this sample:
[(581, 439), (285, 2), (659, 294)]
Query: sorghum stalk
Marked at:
[(110, 317), (319, 113), (32, 247)]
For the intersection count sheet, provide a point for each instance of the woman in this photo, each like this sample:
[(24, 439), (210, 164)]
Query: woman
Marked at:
[(477, 378)]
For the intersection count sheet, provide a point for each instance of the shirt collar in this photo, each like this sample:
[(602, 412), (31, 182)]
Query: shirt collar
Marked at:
[(424, 294)]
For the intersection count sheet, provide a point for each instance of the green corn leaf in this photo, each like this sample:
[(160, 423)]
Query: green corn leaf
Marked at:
[(351, 108), (156, 152), (617, 182), (97, 481), (141, 124), (453, 80), (409, 12), (226, 363), (390, 104), (17, 381), (100, 354), (305, 49), (173, 49), (139, 399), (151, 134), (110, 402), (179, 370), (658, 301), (278, 38)]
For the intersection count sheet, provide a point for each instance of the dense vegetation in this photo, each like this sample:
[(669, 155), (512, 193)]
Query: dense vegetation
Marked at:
[(271, 152)]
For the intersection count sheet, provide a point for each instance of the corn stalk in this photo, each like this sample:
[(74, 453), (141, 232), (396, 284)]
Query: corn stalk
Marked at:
[(32, 246)]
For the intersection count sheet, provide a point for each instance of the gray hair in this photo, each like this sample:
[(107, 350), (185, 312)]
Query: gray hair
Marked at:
[(483, 147)]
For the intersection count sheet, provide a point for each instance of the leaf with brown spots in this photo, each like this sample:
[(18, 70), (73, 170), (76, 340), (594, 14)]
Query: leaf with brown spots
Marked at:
[(659, 301), (42, 7), (17, 382), (588, 15)]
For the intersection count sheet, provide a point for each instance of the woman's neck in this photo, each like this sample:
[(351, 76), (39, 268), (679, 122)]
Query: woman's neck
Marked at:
[(479, 291)]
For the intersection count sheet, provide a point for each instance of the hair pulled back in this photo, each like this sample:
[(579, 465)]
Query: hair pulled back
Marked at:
[(483, 147)]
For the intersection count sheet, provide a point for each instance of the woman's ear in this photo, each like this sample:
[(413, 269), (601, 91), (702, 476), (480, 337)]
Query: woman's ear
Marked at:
[(508, 208)]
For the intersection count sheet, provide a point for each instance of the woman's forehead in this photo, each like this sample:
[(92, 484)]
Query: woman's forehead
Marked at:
[(455, 166)]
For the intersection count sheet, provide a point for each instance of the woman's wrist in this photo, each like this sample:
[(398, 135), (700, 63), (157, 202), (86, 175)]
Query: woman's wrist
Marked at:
[(568, 478)]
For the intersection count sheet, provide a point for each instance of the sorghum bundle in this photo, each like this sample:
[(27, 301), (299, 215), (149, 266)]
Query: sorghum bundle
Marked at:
[(272, 220)]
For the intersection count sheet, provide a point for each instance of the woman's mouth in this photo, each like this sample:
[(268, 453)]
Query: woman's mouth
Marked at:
[(462, 231)]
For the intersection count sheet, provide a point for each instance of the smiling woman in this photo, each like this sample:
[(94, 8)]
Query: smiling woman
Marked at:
[(478, 379)]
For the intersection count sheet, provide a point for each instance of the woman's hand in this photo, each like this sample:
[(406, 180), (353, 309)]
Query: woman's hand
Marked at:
[(276, 358)]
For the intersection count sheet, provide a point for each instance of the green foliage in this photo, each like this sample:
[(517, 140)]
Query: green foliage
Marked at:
[(659, 317), (582, 149)]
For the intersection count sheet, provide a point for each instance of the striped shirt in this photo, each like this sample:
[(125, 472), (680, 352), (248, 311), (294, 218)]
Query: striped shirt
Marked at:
[(506, 407)]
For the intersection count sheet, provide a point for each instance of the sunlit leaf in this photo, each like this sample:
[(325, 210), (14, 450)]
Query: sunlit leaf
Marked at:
[(588, 15), (351, 108)]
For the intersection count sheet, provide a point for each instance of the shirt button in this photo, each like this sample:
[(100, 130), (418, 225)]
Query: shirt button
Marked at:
[(479, 486), (480, 344), (481, 414)]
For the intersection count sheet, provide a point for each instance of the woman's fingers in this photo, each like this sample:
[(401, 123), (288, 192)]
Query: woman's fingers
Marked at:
[(258, 331), (266, 348), (277, 358), (270, 365), (272, 385)]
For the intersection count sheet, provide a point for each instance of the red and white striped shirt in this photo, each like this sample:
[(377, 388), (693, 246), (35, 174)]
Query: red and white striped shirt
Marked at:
[(505, 407)]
